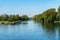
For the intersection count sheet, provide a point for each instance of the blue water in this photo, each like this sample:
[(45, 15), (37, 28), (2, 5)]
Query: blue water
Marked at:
[(29, 31)]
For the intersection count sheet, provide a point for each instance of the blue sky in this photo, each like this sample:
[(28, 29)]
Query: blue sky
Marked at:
[(28, 7)]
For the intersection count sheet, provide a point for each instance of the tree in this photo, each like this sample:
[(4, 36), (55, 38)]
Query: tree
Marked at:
[(47, 16), (24, 17), (58, 14), (59, 10)]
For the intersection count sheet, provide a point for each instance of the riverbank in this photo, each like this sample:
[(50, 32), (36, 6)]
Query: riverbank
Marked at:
[(10, 22), (57, 21)]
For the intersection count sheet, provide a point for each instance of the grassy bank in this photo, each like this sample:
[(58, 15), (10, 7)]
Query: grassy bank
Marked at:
[(57, 21), (10, 22)]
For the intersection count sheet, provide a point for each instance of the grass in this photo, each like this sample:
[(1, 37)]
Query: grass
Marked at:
[(8, 22), (57, 21)]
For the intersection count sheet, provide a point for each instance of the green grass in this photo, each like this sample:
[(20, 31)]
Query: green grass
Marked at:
[(57, 21), (8, 22)]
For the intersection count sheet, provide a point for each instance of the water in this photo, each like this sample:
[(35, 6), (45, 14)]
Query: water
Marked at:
[(29, 31)]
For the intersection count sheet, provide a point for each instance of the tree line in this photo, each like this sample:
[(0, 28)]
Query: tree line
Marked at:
[(5, 17), (48, 16)]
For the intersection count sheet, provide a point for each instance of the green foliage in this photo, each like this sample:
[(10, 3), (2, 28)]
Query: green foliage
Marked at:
[(47, 16), (59, 10), (58, 15), (6, 17), (24, 18), (37, 17)]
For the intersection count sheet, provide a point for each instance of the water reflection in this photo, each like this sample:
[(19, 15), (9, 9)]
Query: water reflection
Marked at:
[(49, 27), (58, 30), (52, 30), (30, 30)]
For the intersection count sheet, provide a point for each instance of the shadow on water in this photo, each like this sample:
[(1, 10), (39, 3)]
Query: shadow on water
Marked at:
[(52, 29), (48, 30), (31, 30), (58, 29), (49, 27)]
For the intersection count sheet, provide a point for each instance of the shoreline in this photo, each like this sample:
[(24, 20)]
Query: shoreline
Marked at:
[(8, 22)]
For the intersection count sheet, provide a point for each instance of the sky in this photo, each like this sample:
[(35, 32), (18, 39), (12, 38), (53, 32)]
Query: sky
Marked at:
[(27, 7)]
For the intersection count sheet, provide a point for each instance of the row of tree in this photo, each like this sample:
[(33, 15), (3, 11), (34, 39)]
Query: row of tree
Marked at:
[(6, 17), (50, 15)]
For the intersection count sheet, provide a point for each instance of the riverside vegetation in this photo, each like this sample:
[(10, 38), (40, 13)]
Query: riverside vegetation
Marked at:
[(12, 19), (48, 16)]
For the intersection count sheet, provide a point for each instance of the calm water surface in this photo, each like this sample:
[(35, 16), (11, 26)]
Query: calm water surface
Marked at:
[(29, 31)]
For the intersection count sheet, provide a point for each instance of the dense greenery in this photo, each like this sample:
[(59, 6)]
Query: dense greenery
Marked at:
[(6, 17), (48, 16), (24, 18)]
